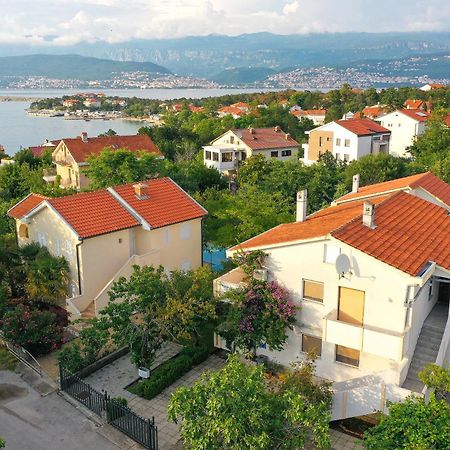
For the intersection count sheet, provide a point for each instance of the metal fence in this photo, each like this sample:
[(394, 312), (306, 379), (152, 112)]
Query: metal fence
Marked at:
[(23, 355), (143, 431)]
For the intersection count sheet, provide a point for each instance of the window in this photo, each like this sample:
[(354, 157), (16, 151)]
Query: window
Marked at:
[(311, 344), (208, 155), (328, 139), (23, 231), (227, 157), (347, 355), (331, 253), (215, 156), (231, 139), (338, 141), (243, 156), (320, 141), (185, 232), (346, 157), (286, 152), (313, 290), (274, 154), (338, 156), (376, 138), (346, 142)]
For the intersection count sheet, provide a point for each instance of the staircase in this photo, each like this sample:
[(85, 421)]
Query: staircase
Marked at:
[(427, 347)]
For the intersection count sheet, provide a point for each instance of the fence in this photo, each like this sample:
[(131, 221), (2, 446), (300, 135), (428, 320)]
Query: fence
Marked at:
[(23, 355), (143, 431)]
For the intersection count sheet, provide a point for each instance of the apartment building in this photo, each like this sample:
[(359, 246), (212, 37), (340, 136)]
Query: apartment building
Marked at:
[(371, 275), (70, 155), (103, 233), (234, 146), (346, 140), (405, 126)]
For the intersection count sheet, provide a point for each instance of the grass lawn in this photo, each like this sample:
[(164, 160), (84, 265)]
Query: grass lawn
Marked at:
[(7, 361)]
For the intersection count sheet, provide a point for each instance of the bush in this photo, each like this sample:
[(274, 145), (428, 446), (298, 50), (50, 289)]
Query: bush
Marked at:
[(35, 330), (170, 371)]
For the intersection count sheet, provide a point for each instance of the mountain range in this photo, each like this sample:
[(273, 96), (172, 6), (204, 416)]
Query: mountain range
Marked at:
[(237, 59)]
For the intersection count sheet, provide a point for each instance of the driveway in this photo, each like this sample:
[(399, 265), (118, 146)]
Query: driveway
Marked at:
[(37, 418)]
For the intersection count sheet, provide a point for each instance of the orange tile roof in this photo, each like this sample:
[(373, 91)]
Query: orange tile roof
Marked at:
[(309, 112), (240, 105), (100, 212), (93, 213), (416, 114), (81, 150), (265, 138), (362, 127), (232, 110), (167, 203), (409, 233), (25, 205), (428, 181), (316, 225), (413, 104), (371, 112)]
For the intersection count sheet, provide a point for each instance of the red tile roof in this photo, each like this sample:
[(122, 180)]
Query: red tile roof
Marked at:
[(232, 110), (371, 112), (240, 105), (416, 114), (167, 203), (81, 150), (409, 233), (309, 112), (26, 205), (362, 127), (428, 181), (265, 138), (316, 225), (100, 212)]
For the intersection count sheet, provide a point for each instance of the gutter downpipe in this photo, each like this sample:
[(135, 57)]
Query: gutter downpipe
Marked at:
[(77, 251)]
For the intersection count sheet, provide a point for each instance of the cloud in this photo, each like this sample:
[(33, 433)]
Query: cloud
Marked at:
[(73, 21)]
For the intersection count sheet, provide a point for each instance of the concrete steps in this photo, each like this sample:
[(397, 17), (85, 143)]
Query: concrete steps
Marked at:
[(427, 346)]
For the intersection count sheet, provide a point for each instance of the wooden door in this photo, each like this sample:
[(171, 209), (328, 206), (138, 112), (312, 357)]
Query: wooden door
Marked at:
[(351, 306)]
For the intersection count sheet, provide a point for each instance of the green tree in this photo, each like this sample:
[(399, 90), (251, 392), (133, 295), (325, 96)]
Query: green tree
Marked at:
[(412, 424), (236, 408), (436, 377), (121, 166)]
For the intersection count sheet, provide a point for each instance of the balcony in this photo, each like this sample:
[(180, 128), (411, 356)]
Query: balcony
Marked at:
[(49, 175), (231, 280), (367, 339)]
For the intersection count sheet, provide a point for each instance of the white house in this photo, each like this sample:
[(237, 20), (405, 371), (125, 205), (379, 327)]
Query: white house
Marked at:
[(371, 276), (346, 140), (317, 116), (405, 125), (431, 87), (225, 152)]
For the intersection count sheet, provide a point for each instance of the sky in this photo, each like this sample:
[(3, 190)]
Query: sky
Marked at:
[(67, 22)]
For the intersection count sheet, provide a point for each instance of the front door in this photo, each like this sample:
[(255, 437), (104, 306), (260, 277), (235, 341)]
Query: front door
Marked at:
[(351, 306)]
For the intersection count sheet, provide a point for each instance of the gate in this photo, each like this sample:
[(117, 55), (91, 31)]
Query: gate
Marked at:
[(143, 431)]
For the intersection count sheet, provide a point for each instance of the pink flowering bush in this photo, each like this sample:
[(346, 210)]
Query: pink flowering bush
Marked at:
[(36, 330)]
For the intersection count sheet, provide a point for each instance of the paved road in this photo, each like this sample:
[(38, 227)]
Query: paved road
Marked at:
[(29, 421)]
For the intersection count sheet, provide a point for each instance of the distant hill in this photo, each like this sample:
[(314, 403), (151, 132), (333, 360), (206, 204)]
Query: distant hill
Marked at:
[(72, 67), (207, 56), (242, 75)]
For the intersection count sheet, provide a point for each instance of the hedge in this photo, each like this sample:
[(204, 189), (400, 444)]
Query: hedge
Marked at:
[(169, 372)]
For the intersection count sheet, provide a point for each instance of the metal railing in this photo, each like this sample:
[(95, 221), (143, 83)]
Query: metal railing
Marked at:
[(143, 431), (23, 355)]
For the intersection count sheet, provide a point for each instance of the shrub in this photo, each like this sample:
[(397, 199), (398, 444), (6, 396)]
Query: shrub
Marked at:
[(170, 371), (35, 330)]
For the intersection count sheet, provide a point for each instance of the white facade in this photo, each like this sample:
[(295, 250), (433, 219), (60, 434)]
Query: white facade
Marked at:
[(404, 131), (225, 153)]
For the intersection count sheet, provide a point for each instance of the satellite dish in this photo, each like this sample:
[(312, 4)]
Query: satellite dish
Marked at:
[(342, 264)]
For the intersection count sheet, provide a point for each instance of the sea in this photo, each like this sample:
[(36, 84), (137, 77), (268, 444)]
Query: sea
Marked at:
[(18, 130)]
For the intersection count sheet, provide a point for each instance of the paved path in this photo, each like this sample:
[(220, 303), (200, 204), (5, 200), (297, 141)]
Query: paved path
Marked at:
[(115, 376), (341, 441)]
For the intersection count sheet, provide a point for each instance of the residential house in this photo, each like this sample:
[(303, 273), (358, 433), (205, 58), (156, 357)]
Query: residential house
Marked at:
[(38, 150), (225, 152), (103, 233), (431, 87), (70, 102), (371, 112), (315, 115), (405, 125), (92, 102), (346, 140), (244, 107), (233, 111), (371, 275), (70, 155), (196, 109), (414, 104)]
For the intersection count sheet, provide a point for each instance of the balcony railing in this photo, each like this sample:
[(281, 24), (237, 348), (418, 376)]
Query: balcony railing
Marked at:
[(365, 338)]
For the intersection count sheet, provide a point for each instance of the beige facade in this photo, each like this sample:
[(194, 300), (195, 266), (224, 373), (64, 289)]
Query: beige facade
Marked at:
[(320, 141), (71, 173), (98, 261)]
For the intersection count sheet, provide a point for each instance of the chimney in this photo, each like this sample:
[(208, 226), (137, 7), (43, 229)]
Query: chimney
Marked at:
[(355, 185), (141, 191), (369, 215), (302, 204), (277, 128), (287, 136), (84, 136), (252, 131)]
